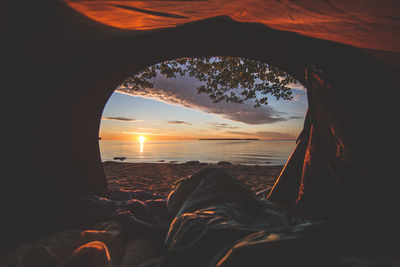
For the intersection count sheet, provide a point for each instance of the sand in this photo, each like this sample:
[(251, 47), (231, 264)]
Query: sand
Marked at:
[(160, 177)]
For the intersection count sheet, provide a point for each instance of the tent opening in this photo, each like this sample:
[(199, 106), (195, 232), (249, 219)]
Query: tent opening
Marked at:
[(175, 117)]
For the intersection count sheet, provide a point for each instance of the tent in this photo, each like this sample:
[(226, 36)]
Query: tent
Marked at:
[(65, 58)]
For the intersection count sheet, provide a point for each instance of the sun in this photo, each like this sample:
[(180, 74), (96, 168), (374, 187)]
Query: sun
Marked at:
[(141, 138)]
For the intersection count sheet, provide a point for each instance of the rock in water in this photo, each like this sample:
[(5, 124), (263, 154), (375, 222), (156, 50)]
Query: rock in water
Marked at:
[(223, 163), (192, 162), (120, 158)]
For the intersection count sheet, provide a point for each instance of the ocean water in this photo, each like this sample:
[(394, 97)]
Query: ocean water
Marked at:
[(252, 152)]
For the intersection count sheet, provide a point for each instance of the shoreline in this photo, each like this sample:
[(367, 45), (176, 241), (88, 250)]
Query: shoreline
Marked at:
[(266, 164), (161, 176)]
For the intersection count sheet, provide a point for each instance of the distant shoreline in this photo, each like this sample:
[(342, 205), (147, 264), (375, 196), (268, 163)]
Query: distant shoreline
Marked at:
[(228, 139), (204, 163), (167, 140)]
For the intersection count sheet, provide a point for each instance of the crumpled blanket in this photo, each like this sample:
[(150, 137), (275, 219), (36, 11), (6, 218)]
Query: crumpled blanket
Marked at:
[(219, 222), (126, 228), (103, 245), (140, 213)]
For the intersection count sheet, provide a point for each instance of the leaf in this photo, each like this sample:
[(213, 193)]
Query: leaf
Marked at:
[(230, 79)]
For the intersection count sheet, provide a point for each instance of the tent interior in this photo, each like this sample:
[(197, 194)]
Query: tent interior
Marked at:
[(65, 58)]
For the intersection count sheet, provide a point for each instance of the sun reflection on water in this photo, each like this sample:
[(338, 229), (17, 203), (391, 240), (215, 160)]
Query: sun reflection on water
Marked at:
[(141, 140)]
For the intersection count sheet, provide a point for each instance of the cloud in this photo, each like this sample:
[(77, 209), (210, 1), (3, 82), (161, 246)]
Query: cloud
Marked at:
[(266, 134), (179, 122), (296, 86), (127, 132), (182, 91), (296, 117), (219, 126), (299, 95), (118, 119)]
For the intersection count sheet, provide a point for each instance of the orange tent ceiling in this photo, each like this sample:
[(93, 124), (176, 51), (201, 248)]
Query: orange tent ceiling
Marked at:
[(366, 24)]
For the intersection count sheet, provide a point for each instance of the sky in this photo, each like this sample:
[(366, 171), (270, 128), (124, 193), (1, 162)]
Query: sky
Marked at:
[(173, 110)]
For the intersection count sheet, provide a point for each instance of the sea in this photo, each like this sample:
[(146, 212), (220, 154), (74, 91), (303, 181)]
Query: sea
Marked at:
[(246, 152)]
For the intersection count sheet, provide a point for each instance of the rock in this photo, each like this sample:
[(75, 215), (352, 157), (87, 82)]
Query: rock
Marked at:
[(120, 158), (224, 163), (192, 162)]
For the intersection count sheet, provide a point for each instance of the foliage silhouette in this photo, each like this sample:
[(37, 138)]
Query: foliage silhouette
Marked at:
[(230, 79)]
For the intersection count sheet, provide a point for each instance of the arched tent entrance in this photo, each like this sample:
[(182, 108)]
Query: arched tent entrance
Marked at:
[(163, 105), (73, 64)]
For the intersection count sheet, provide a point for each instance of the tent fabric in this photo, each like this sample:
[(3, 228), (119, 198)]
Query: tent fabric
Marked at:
[(365, 24), (84, 60), (327, 177), (219, 222), (317, 169)]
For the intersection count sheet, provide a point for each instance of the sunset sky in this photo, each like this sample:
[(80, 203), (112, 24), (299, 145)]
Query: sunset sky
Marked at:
[(173, 110)]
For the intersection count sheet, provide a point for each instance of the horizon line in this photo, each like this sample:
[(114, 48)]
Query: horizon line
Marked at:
[(204, 139)]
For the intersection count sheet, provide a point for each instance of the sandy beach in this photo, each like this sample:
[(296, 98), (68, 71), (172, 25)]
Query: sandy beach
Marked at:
[(160, 177)]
